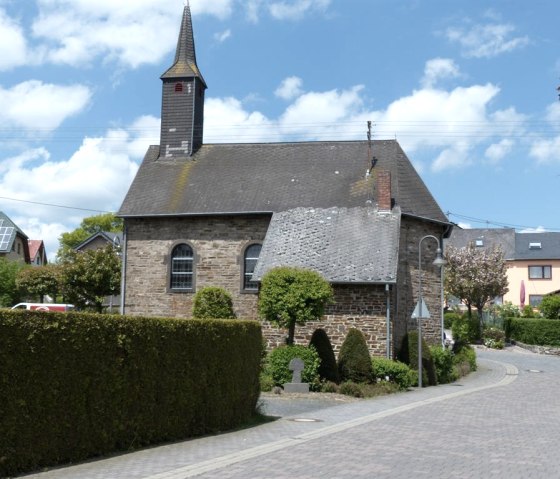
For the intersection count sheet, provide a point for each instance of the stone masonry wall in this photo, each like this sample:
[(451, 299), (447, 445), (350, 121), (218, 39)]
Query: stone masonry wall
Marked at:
[(412, 230), (218, 243)]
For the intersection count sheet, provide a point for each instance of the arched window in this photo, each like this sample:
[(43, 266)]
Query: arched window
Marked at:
[(250, 258), (182, 268), (178, 87)]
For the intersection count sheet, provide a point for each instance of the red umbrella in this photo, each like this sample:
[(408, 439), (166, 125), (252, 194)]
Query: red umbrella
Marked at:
[(522, 294)]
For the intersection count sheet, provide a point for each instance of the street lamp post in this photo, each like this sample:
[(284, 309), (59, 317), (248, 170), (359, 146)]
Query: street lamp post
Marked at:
[(439, 261)]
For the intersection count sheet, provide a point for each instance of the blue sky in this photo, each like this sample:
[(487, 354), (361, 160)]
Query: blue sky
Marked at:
[(467, 87)]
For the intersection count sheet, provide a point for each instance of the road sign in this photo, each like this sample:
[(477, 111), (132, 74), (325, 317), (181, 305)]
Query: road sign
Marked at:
[(425, 312)]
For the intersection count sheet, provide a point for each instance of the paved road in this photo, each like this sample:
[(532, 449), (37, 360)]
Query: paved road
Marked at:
[(502, 422)]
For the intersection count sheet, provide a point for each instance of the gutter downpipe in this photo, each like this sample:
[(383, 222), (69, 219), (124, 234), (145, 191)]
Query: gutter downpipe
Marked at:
[(388, 313), (123, 270)]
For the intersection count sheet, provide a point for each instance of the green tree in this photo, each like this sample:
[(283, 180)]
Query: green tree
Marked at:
[(9, 292), (290, 296), (89, 226), (550, 307), (475, 276), (90, 276), (40, 281)]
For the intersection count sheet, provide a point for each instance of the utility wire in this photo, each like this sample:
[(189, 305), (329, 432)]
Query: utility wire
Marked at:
[(53, 205), (497, 223)]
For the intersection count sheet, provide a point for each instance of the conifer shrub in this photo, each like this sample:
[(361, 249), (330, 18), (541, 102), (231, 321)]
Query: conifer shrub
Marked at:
[(213, 303), (328, 370), (354, 361), (408, 354), (401, 374), (278, 364)]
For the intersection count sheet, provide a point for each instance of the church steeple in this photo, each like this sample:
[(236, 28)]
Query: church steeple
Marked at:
[(182, 109)]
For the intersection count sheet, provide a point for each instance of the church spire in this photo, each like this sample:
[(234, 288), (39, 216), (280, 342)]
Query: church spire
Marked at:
[(182, 109), (184, 64)]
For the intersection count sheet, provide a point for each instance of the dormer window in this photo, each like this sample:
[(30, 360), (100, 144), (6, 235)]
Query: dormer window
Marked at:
[(178, 87), (479, 243), (535, 246)]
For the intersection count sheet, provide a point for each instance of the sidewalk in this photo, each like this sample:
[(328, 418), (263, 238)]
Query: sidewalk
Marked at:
[(304, 418)]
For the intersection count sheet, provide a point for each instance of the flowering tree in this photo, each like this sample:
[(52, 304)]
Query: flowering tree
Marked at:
[(475, 276)]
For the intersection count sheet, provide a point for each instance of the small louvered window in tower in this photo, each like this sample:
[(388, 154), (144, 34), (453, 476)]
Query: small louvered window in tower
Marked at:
[(178, 87)]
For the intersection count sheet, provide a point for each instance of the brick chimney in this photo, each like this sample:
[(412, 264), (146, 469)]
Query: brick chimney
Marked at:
[(384, 190)]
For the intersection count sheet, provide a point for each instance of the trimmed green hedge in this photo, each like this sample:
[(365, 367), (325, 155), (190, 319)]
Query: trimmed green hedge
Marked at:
[(77, 385), (540, 332)]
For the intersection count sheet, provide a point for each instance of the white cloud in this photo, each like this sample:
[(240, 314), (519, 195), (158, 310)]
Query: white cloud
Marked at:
[(546, 151), (290, 88), (465, 226), (538, 229), (296, 9), (34, 105), (222, 36), (457, 156), (129, 32), (486, 41), (437, 69), (553, 114), (95, 177), (13, 47), (498, 151), (253, 7)]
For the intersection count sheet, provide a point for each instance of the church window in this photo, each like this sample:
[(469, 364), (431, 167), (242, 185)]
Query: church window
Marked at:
[(182, 268), (250, 258)]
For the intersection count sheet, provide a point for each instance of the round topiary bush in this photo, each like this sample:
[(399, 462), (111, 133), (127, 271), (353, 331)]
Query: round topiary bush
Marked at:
[(354, 361), (408, 354), (278, 364), (385, 369), (213, 303), (328, 369)]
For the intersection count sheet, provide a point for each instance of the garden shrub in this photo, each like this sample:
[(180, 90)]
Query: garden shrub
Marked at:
[(464, 358), (278, 364), (449, 317), (443, 362), (550, 307), (408, 354), (329, 387), (465, 329), (213, 303), (328, 369), (541, 332), (494, 338), (350, 388), (528, 312), (354, 361), (399, 373)]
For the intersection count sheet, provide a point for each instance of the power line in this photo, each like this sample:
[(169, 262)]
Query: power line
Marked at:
[(53, 205), (497, 223)]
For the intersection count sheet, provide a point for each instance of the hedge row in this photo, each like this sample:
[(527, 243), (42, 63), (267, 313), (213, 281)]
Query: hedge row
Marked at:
[(541, 332), (75, 385)]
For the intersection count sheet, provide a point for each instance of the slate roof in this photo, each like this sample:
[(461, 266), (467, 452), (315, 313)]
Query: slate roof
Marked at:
[(549, 242), (275, 177), (184, 64), (345, 245), (489, 237)]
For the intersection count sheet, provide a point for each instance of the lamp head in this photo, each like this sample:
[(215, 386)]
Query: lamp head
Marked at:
[(439, 261)]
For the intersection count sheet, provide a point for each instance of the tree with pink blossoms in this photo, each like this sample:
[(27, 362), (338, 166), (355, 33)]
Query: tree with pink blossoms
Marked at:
[(475, 276)]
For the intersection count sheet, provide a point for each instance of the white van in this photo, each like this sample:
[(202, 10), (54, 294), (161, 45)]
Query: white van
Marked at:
[(44, 306)]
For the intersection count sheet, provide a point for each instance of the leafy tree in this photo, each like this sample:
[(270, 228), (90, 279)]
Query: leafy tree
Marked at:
[(40, 281), (475, 276), (9, 292), (90, 276), (89, 226), (213, 303), (290, 296), (550, 307)]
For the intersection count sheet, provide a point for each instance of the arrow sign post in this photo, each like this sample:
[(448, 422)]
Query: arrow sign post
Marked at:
[(420, 312)]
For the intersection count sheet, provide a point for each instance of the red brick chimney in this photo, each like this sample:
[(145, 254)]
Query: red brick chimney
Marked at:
[(384, 190)]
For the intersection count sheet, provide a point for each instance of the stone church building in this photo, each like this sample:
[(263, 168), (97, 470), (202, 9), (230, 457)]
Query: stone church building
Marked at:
[(223, 214)]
